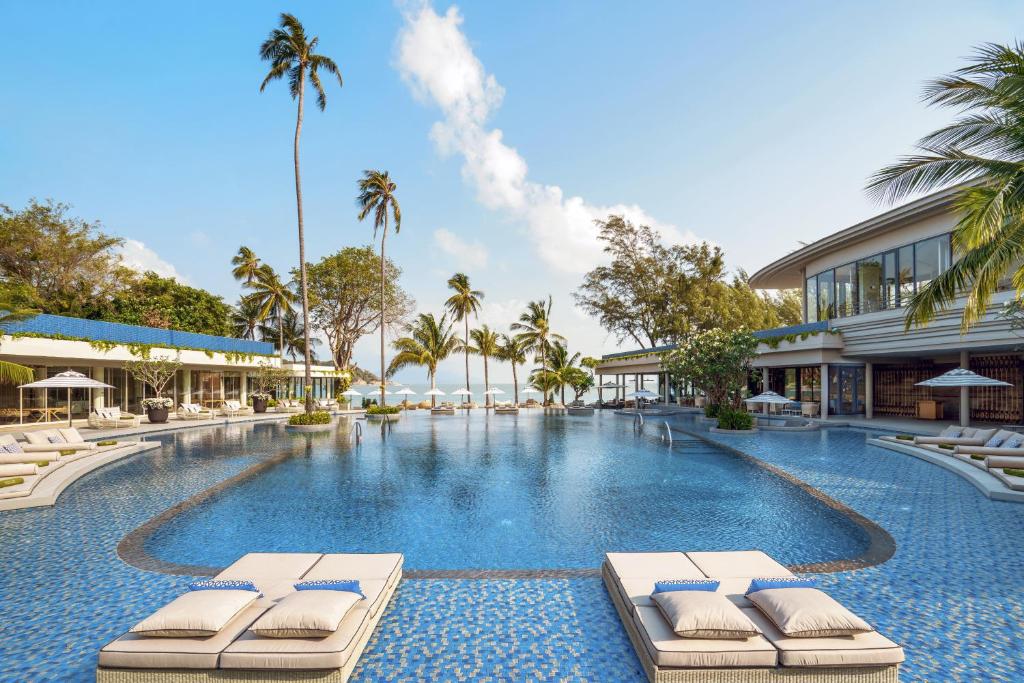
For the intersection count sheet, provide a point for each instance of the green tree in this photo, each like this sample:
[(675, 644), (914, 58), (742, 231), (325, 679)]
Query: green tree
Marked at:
[(155, 301), (462, 304), (246, 266), (377, 196), (12, 373), (580, 380), (245, 318), (485, 342), (513, 349), (274, 298), (291, 53), (430, 340), (534, 328), (717, 362), (292, 336), (557, 369), (984, 148)]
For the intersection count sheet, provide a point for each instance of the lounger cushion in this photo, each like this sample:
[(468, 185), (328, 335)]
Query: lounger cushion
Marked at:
[(71, 435), (669, 650), (999, 438), (952, 431), (984, 450), (255, 566), (762, 583), (195, 614), (354, 566), (726, 565), (44, 436), (807, 613), (700, 614), (862, 649), (306, 614), (653, 566), (18, 470), (999, 461), (21, 458)]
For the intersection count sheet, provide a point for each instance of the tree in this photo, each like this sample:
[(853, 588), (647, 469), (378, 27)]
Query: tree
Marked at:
[(462, 304), (429, 341), (377, 196), (580, 380), (156, 301), (268, 378), (156, 372), (984, 148), (245, 318), (485, 342), (534, 328), (292, 54), (557, 368), (292, 336), (246, 266), (13, 373), (717, 362), (513, 349), (274, 298)]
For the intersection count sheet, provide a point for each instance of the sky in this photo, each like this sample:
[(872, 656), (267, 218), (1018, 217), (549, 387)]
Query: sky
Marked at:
[(508, 127)]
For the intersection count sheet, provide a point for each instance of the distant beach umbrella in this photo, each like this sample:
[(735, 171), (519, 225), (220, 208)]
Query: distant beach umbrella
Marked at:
[(434, 392)]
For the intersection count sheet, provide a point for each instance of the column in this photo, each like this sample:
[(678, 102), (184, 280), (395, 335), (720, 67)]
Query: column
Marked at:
[(869, 391), (766, 386), (97, 394), (824, 391), (965, 397), (186, 386), (243, 391)]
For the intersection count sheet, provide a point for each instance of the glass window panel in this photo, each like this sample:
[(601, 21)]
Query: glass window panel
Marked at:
[(869, 284), (811, 299), (891, 284), (826, 307), (931, 257), (906, 273), (846, 290)]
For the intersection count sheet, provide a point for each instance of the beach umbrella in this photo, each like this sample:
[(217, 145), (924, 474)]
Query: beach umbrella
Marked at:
[(434, 392), (492, 393), (68, 379), (962, 378), (768, 398), (405, 392), (608, 385), (462, 392), (350, 392), (642, 393)]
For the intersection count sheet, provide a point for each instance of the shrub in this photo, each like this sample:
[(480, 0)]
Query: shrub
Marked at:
[(712, 410), (1013, 472), (105, 443), (904, 437), (320, 417), (946, 446), (730, 418), (67, 451), (382, 410), (11, 481), (977, 457)]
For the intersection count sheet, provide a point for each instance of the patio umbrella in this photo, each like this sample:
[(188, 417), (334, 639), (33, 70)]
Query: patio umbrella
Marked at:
[(492, 392), (643, 393), (768, 398), (962, 378), (68, 379), (607, 385), (350, 392), (434, 392), (405, 392)]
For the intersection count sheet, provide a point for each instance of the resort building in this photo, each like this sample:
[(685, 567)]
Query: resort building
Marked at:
[(853, 354), (214, 369)]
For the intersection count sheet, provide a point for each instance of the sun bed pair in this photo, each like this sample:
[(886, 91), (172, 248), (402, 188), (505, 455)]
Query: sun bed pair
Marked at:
[(112, 418), (193, 411), (290, 405), (41, 456), (235, 408), (757, 649), (284, 635), (443, 409)]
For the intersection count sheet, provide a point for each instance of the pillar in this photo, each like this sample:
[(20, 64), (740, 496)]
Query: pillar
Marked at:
[(869, 391), (824, 391), (186, 386), (765, 386), (97, 394), (243, 391), (965, 396)]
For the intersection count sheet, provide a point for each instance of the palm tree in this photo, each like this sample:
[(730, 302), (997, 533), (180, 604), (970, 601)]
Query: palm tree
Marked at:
[(984, 148), (245, 317), (557, 372), (462, 304), (292, 54), (246, 266), (485, 342), (534, 329), (377, 195), (513, 350), (274, 298), (294, 337), (12, 373), (430, 341)]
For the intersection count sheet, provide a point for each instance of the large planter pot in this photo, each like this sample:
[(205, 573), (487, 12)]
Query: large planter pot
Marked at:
[(393, 417), (305, 429), (259, 405), (157, 415)]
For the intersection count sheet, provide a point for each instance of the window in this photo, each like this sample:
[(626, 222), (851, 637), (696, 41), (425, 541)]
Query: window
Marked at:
[(905, 263), (826, 303), (869, 285), (846, 290), (811, 299), (931, 257), (892, 298)]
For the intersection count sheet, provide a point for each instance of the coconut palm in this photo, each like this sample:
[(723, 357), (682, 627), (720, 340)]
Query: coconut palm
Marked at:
[(377, 196), (293, 337), (558, 369), (291, 53), (245, 318), (485, 343), (274, 298), (534, 329), (984, 148), (12, 373), (513, 350), (462, 304), (246, 266), (429, 341)]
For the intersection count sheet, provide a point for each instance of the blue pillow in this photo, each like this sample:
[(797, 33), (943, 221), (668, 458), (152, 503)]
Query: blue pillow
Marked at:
[(1014, 441), (995, 442), (13, 447), (223, 585), (670, 585), (761, 584), (347, 585)]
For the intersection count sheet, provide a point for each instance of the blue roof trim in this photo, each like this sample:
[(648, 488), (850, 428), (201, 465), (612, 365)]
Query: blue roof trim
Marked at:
[(101, 330), (820, 326)]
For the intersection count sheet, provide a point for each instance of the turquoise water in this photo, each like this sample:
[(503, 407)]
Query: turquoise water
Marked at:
[(503, 492)]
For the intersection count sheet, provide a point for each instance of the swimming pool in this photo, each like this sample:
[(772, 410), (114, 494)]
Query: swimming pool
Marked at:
[(502, 492)]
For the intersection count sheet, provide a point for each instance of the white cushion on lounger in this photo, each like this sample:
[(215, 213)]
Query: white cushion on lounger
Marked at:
[(735, 589), (42, 436), (270, 566), (306, 614), (196, 614), (355, 566), (654, 566), (863, 649), (71, 435), (732, 564), (669, 650), (703, 614), (139, 652), (17, 470), (20, 458), (807, 613)]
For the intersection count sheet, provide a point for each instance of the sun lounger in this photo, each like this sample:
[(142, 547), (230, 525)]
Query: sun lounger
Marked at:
[(771, 656), (59, 439), (236, 652), (443, 410), (506, 410), (192, 411), (957, 436), (113, 418), (235, 408)]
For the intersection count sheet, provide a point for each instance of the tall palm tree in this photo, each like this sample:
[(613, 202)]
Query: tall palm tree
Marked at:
[(246, 266), (291, 53), (534, 328), (984, 148), (462, 304), (513, 350), (429, 342), (485, 342), (245, 317), (557, 371), (12, 373), (274, 298), (292, 336), (377, 196)]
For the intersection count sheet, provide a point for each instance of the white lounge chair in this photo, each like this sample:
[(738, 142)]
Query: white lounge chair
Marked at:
[(233, 408), (113, 418), (192, 411)]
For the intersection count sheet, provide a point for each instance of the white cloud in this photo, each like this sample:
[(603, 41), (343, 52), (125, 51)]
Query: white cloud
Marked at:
[(468, 255), (137, 256), (435, 59)]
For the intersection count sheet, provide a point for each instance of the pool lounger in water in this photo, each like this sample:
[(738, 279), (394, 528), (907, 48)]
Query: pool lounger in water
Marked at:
[(236, 653), (772, 656)]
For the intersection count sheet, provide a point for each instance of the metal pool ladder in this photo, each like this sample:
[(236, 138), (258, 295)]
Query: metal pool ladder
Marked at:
[(357, 430), (638, 421), (668, 434)]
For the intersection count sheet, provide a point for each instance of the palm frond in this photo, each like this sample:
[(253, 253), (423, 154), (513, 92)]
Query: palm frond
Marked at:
[(12, 373)]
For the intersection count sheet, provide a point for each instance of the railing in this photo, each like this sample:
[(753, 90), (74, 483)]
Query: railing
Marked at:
[(357, 431), (792, 329), (638, 421), (668, 434)]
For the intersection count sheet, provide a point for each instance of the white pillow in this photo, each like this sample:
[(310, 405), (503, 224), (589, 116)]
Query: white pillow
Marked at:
[(306, 614), (807, 613), (71, 435), (196, 614), (704, 614), (114, 413), (37, 438)]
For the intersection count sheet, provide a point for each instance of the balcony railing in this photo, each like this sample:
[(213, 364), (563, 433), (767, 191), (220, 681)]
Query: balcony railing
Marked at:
[(805, 328)]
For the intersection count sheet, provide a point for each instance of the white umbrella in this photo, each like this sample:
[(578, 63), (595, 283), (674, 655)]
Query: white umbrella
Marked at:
[(69, 380), (462, 392), (434, 392), (350, 392), (405, 392), (962, 377), (491, 392), (529, 390), (767, 397), (642, 393)]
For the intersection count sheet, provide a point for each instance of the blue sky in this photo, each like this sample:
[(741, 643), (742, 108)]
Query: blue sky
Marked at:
[(507, 126)]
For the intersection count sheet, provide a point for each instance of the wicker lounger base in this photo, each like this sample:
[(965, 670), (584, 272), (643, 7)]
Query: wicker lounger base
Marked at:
[(656, 674), (105, 675)]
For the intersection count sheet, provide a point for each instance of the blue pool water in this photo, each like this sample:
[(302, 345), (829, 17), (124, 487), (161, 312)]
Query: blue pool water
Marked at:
[(503, 492)]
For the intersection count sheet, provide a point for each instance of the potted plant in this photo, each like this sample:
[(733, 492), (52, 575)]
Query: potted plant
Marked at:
[(259, 401), (266, 379), (155, 373)]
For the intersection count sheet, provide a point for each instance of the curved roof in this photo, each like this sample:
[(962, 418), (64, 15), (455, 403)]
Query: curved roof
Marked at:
[(786, 273)]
